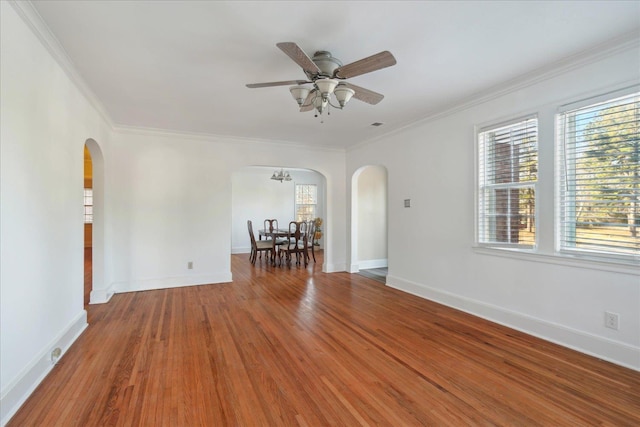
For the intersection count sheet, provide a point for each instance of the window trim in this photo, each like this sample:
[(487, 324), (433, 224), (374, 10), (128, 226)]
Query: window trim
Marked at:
[(590, 256), (565, 259), (545, 251), (295, 196), (484, 127)]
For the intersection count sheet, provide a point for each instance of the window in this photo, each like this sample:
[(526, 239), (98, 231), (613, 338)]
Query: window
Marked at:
[(508, 169), (599, 178), (88, 205), (306, 201)]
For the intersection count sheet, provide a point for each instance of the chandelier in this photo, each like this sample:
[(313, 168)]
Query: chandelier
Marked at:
[(319, 97), (281, 176)]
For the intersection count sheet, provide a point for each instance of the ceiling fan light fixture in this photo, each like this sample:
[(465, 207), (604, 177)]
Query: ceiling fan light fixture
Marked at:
[(320, 103), (326, 86), (299, 93), (325, 75), (343, 94)]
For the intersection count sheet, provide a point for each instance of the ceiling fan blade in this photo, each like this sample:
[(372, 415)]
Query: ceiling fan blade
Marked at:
[(365, 95), (307, 105), (285, 83), (371, 63), (294, 52)]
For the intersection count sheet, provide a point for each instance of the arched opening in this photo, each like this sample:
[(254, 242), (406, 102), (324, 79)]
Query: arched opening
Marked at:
[(256, 197), (88, 224), (369, 222), (94, 223)]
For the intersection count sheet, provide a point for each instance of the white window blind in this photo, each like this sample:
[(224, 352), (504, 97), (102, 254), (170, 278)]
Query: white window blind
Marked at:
[(508, 170), (599, 178), (306, 201)]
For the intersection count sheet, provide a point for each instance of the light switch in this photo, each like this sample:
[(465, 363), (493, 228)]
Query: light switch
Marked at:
[(407, 203)]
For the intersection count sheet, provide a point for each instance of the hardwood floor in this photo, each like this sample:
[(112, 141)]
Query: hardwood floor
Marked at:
[(294, 346), (88, 275)]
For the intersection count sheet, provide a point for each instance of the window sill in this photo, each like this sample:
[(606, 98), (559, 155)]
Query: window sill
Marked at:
[(580, 261)]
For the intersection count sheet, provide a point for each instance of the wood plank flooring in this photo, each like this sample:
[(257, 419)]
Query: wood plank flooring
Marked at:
[(297, 347), (88, 275)]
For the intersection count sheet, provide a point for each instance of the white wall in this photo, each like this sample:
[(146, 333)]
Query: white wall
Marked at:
[(45, 121), (372, 217), (171, 203), (433, 164), (167, 201), (256, 197)]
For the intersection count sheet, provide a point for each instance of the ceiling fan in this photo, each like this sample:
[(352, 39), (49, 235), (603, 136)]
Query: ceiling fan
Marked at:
[(326, 76)]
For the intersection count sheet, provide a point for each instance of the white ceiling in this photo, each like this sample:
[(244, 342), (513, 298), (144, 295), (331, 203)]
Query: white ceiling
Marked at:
[(183, 65)]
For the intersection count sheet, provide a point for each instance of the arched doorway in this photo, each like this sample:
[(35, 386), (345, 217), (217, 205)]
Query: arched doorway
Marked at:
[(94, 221), (256, 196), (88, 224), (369, 222)]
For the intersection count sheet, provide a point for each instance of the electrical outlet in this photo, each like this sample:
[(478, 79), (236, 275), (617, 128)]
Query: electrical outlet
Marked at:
[(611, 320), (190, 265), (55, 354)]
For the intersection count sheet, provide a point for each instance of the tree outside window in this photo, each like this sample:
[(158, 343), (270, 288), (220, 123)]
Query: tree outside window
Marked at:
[(600, 179)]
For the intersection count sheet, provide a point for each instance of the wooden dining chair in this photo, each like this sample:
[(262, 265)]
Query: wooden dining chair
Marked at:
[(295, 244), (259, 246), (309, 238), (271, 226)]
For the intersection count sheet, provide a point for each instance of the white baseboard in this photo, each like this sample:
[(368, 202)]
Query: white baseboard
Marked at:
[(367, 264), (334, 268), (101, 296), (241, 250), (171, 282), (17, 392), (613, 351), (372, 263)]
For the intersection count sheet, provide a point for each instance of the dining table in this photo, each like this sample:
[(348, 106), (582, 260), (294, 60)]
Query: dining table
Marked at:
[(282, 233), (279, 232)]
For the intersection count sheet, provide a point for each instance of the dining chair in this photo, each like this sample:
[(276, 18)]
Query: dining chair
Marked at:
[(271, 226), (259, 246), (271, 230), (309, 239), (295, 244)]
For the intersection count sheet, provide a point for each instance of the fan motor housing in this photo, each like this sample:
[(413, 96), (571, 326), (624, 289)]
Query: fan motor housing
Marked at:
[(326, 63)]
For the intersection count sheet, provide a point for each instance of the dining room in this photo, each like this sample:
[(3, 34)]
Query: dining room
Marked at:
[(284, 194)]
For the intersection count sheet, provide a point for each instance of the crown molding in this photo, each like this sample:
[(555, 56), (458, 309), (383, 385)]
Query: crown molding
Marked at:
[(27, 11), (222, 139), (623, 43)]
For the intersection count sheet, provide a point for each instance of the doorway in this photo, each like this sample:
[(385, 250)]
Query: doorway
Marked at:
[(369, 222), (256, 196), (88, 223), (93, 223)]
